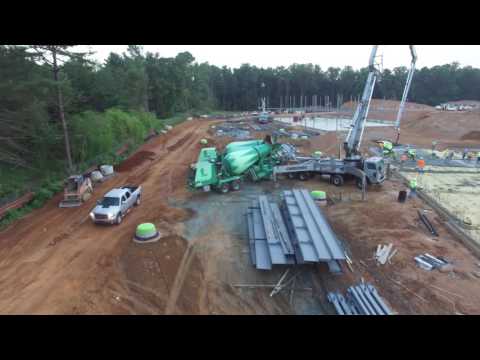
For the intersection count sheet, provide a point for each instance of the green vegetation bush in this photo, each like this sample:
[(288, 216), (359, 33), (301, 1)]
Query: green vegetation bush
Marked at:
[(96, 136)]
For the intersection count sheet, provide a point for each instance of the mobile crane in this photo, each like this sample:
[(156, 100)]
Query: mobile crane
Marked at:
[(365, 170)]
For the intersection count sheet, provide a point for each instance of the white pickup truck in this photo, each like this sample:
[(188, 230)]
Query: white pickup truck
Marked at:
[(116, 204)]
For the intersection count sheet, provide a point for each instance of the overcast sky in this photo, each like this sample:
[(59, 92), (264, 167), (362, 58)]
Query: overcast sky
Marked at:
[(323, 55)]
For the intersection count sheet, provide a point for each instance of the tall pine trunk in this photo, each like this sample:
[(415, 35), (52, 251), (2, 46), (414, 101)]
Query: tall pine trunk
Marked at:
[(62, 112)]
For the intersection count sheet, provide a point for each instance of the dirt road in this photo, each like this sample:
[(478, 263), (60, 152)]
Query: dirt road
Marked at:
[(57, 261)]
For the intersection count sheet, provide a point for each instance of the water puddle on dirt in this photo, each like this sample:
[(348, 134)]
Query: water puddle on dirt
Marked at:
[(331, 124)]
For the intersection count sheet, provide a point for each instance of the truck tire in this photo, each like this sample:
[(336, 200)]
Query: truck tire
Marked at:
[(118, 219), (303, 176), (224, 188), (292, 176), (359, 183), (137, 202), (236, 185), (337, 180)]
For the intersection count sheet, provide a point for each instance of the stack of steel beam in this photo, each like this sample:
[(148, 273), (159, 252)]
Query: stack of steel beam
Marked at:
[(361, 299), (312, 235), (297, 234), (269, 239)]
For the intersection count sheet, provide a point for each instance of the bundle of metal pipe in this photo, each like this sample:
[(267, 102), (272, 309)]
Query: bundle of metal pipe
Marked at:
[(361, 299), (429, 262)]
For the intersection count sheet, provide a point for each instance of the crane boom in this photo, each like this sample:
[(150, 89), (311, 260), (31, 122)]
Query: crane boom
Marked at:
[(405, 90), (354, 138)]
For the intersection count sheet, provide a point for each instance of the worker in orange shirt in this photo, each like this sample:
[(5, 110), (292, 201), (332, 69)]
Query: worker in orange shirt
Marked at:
[(421, 165)]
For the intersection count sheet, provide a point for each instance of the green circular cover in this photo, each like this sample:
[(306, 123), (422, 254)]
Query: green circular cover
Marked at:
[(319, 195), (146, 230)]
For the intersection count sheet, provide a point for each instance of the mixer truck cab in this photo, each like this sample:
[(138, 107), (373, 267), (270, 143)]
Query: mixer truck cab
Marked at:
[(205, 170)]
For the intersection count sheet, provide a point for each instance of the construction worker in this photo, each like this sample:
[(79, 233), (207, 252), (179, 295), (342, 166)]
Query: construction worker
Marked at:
[(413, 187), (464, 154), (421, 165), (411, 153), (478, 157), (387, 148)]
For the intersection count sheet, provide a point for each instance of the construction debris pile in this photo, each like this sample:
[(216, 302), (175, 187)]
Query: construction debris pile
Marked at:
[(235, 130), (297, 232), (362, 299), (429, 262), (242, 130), (384, 254)]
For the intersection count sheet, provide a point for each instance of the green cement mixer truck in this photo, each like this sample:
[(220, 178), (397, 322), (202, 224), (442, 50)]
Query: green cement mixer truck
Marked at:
[(253, 160)]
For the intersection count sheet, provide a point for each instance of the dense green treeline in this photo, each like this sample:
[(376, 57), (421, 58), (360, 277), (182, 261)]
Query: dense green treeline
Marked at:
[(241, 88), (123, 99)]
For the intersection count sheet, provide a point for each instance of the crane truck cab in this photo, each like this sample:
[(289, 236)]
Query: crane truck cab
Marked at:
[(264, 117), (374, 169)]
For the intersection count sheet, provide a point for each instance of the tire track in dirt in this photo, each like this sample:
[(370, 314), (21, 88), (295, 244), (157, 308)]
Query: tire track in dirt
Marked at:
[(177, 285)]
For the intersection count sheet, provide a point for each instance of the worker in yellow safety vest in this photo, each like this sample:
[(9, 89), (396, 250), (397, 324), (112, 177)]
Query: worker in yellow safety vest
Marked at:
[(413, 187), (411, 153), (387, 148), (413, 184)]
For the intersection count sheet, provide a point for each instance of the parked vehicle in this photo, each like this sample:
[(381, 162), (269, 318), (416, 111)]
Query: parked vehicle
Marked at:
[(113, 207), (77, 190), (253, 159)]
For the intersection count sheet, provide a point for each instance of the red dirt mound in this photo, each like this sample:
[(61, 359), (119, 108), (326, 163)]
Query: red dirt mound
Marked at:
[(472, 135), (135, 160), (380, 104)]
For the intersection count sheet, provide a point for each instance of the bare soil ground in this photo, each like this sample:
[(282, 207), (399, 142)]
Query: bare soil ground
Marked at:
[(379, 104), (55, 261), (408, 289)]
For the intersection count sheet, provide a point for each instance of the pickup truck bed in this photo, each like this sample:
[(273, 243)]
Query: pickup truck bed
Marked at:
[(131, 188)]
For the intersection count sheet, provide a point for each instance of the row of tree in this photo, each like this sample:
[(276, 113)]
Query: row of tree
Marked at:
[(42, 88), (165, 86)]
